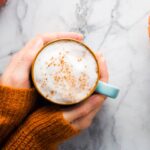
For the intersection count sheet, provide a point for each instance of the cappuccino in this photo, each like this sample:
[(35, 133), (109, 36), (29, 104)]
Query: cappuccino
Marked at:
[(65, 72)]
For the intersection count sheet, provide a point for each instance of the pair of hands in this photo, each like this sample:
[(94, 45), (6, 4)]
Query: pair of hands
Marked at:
[(17, 75)]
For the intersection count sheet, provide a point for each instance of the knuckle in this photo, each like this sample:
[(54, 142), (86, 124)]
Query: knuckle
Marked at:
[(96, 101), (94, 105), (83, 112)]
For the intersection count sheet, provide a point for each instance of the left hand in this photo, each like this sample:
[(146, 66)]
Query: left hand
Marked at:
[(81, 115), (17, 74)]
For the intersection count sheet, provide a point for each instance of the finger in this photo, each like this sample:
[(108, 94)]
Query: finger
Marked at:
[(84, 108), (93, 113), (48, 37), (25, 57), (102, 67), (85, 121), (33, 47), (20, 64)]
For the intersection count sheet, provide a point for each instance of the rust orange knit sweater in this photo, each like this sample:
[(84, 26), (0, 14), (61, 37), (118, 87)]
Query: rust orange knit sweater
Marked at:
[(20, 129)]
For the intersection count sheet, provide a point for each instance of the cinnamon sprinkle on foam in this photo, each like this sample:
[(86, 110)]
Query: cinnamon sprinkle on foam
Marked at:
[(67, 75)]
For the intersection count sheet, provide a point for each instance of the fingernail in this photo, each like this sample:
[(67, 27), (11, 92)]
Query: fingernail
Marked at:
[(79, 35)]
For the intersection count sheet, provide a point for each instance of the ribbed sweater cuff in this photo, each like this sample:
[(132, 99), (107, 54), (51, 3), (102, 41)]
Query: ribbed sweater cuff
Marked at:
[(17, 100), (14, 105), (16, 94), (43, 129)]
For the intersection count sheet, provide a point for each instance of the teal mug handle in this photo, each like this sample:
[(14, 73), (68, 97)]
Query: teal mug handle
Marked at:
[(107, 89)]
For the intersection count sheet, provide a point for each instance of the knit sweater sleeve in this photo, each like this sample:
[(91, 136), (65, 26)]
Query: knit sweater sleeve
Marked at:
[(14, 106), (42, 130)]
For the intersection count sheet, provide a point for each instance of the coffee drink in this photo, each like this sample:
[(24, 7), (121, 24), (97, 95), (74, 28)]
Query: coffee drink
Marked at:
[(65, 71)]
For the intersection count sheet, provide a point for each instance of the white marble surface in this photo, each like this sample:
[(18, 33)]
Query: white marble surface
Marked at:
[(117, 28)]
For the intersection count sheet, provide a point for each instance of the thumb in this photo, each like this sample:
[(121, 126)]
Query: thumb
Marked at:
[(29, 52), (102, 67)]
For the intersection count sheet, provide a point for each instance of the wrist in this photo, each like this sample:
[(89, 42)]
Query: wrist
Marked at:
[(19, 96), (15, 81)]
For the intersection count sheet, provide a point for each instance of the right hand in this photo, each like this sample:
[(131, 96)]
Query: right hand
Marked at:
[(81, 115)]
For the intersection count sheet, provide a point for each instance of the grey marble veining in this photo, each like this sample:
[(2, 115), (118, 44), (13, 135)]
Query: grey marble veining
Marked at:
[(116, 28)]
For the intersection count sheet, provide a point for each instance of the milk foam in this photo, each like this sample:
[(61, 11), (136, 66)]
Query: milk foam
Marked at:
[(65, 72)]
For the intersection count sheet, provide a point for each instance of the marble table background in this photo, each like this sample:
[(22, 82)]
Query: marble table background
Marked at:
[(118, 29)]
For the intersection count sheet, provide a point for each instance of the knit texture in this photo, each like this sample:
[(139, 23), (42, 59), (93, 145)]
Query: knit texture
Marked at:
[(44, 129), (15, 104)]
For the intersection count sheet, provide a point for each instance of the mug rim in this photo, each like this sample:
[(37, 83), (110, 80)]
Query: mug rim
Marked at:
[(73, 40)]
